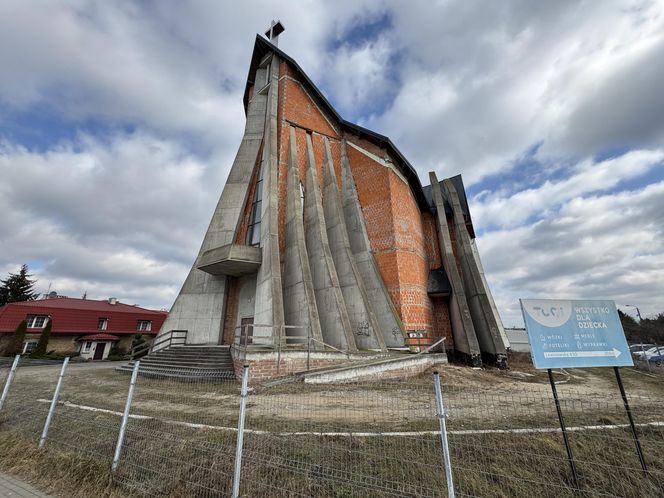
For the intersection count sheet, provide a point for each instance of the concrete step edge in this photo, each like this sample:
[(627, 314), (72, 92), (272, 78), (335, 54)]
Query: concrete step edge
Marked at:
[(368, 364)]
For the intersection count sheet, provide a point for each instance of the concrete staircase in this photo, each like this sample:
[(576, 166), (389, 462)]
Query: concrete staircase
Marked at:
[(186, 363)]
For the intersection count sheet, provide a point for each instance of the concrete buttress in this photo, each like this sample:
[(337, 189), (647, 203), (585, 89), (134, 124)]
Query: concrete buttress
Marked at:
[(486, 327), (299, 297), (463, 329), (360, 312), (386, 314), (269, 299), (335, 325)]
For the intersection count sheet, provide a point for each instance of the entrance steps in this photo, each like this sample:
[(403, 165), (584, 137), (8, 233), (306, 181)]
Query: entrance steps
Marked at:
[(186, 362)]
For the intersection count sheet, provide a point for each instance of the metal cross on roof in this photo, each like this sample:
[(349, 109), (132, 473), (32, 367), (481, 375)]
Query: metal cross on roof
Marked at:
[(272, 34)]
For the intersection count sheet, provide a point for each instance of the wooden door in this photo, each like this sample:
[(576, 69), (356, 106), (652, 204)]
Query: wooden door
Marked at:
[(246, 330), (99, 351)]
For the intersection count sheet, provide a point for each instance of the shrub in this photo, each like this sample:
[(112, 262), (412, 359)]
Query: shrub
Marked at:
[(40, 350), (15, 345), (115, 354)]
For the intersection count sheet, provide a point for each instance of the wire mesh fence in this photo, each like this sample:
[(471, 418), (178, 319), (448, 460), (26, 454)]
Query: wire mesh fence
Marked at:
[(378, 438), (510, 444), (180, 437), (26, 404), (358, 439)]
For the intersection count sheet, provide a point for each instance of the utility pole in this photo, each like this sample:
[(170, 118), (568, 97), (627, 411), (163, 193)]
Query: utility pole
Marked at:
[(638, 312)]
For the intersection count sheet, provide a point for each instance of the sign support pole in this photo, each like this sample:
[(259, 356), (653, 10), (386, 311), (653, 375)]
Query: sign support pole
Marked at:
[(637, 443), (570, 457)]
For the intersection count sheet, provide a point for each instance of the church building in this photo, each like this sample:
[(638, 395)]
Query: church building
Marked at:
[(325, 238)]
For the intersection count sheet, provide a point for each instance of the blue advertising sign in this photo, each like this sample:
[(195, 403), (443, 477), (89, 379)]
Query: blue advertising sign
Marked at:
[(574, 334)]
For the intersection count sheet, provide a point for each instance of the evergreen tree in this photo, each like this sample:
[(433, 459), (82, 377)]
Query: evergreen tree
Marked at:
[(40, 350), (18, 287), (15, 345), (630, 326)]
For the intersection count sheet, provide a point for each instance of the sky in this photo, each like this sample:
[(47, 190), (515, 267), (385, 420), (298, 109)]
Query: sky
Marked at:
[(119, 122)]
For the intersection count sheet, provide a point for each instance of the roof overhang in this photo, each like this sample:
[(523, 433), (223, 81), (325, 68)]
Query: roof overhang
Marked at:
[(99, 337)]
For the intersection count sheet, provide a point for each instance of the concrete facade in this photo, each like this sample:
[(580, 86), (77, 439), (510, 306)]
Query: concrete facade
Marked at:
[(198, 309), (349, 241)]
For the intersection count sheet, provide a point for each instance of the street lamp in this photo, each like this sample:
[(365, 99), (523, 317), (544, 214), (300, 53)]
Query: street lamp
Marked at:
[(637, 310)]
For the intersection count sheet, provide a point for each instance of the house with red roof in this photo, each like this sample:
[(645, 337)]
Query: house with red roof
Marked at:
[(86, 326)]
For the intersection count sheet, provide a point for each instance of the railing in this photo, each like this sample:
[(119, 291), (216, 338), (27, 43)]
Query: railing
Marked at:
[(429, 348), (170, 338), (245, 340)]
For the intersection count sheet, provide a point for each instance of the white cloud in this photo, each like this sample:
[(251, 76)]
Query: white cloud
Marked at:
[(588, 176), (503, 76), (467, 87), (128, 212), (599, 246)]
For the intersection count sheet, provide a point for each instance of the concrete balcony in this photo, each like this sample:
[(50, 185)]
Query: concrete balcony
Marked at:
[(232, 259)]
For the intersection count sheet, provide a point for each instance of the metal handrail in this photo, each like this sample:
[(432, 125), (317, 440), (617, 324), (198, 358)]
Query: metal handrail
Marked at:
[(347, 353), (168, 337), (429, 348), (144, 346), (150, 345)]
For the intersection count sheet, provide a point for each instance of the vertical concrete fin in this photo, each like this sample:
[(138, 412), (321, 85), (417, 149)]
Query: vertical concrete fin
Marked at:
[(269, 297), (465, 338), (492, 302), (360, 312), (486, 328), (386, 314), (199, 307), (334, 321), (299, 298)]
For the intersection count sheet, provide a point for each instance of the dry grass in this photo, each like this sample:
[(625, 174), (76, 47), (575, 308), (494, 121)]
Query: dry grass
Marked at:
[(164, 456)]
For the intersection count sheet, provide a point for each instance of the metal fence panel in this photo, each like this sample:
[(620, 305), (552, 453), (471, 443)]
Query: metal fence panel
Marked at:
[(180, 437)]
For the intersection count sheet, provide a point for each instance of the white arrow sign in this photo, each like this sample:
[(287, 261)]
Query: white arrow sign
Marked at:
[(583, 354)]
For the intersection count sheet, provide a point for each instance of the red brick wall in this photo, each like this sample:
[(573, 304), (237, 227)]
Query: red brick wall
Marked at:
[(396, 232), (403, 239), (431, 241), (442, 326), (298, 108), (267, 369)]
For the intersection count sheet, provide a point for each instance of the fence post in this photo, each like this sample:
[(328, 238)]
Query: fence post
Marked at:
[(643, 357), (240, 432), (8, 382), (281, 333), (308, 346), (440, 413), (54, 402), (125, 417)]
